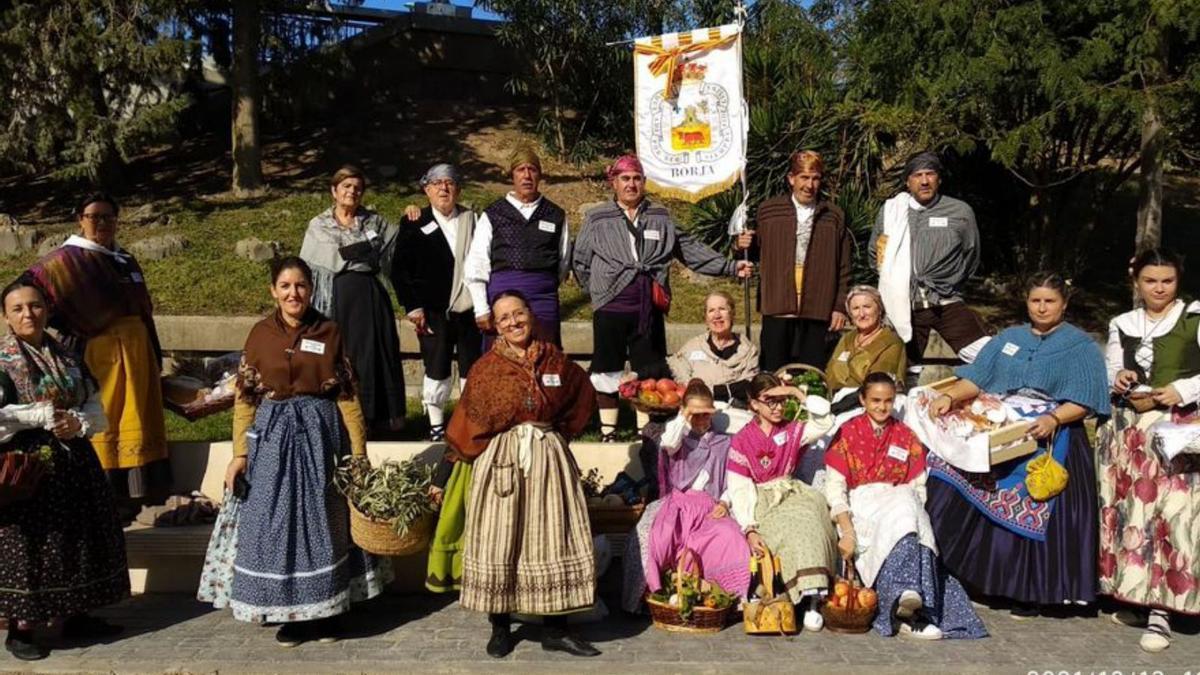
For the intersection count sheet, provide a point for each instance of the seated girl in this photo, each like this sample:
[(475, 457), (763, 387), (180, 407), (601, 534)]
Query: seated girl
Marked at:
[(693, 511), (875, 487), (774, 509)]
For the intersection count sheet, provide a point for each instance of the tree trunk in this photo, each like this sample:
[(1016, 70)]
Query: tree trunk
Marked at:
[(247, 97), (1150, 182)]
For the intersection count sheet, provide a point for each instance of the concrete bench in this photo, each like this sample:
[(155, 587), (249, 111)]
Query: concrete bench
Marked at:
[(169, 559)]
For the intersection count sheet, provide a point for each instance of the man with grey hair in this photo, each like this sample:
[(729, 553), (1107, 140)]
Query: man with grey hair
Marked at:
[(427, 273), (926, 246)]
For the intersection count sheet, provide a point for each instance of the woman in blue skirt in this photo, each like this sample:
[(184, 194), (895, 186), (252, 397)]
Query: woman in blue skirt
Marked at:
[(281, 550)]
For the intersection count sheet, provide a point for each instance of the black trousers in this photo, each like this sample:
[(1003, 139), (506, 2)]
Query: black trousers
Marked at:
[(791, 340), (615, 338), (454, 334), (958, 325)]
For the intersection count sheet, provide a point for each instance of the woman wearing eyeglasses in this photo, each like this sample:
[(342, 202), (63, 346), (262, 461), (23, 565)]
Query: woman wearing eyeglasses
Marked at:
[(775, 510), (99, 302)]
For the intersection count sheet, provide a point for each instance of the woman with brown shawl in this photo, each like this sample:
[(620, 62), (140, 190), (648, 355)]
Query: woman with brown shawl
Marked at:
[(527, 546)]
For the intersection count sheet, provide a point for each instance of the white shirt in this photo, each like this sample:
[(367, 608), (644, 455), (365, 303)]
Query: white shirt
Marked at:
[(478, 269), (449, 225), (1137, 324), (804, 223)]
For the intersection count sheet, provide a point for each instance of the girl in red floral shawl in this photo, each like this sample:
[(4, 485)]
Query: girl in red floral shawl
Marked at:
[(875, 487)]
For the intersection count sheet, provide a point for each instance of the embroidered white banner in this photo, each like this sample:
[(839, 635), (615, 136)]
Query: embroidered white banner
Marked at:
[(690, 118)]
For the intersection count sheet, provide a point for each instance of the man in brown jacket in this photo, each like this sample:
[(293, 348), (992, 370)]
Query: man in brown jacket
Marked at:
[(804, 250)]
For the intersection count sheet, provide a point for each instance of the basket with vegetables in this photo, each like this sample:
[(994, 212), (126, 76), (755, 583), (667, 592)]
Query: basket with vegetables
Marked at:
[(653, 397), (390, 509), (807, 379), (687, 603), (22, 468)]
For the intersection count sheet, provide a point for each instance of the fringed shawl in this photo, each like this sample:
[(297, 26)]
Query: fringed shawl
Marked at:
[(764, 457), (88, 287), (1065, 365), (895, 456)]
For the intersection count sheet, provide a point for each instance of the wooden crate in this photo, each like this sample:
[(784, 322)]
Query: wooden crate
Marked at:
[(1005, 444)]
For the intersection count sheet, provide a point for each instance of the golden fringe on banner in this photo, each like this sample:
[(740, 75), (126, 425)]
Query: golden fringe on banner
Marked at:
[(692, 197)]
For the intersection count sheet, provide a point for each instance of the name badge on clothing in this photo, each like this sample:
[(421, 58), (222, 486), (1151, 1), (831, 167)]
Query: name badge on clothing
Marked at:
[(939, 222), (780, 438), (551, 380), (1010, 349), (898, 453), (546, 226), (136, 277), (697, 356), (844, 356), (652, 235), (312, 347), (371, 234), (428, 229)]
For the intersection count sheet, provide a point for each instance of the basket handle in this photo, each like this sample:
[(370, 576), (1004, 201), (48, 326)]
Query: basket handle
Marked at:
[(766, 568)]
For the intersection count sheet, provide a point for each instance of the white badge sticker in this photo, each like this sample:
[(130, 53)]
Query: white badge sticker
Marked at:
[(312, 346), (897, 453), (428, 229), (252, 435), (551, 380), (939, 222), (371, 234), (546, 226), (1010, 349), (136, 277), (844, 356), (780, 438), (652, 235), (697, 355)]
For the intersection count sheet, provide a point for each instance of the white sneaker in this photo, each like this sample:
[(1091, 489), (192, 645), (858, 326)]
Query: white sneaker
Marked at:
[(813, 621), (927, 631), (1154, 642), (1129, 617), (908, 604)]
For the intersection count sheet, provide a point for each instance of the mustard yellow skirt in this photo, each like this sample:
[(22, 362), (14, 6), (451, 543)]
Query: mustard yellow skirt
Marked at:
[(123, 361)]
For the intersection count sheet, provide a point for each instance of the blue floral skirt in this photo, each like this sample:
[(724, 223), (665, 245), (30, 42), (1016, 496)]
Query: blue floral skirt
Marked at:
[(913, 567), (284, 554)]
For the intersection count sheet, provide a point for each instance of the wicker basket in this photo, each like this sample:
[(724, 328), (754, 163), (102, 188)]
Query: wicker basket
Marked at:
[(194, 411), (854, 618), (792, 369), (20, 475), (702, 619), (606, 519), (378, 537)]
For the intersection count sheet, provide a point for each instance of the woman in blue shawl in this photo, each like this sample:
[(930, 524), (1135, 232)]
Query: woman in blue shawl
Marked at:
[(993, 535)]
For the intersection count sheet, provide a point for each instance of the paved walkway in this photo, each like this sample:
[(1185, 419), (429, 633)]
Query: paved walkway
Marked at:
[(420, 634)]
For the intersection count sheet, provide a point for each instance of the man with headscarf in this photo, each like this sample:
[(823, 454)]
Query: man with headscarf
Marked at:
[(804, 249), (427, 273), (621, 259), (926, 246), (521, 243)]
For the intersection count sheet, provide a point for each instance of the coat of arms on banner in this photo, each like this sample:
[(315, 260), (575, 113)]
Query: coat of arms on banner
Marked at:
[(689, 111)]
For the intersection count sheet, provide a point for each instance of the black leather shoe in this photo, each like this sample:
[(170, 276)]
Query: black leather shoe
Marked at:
[(569, 644), (21, 645), (501, 643), (292, 634)]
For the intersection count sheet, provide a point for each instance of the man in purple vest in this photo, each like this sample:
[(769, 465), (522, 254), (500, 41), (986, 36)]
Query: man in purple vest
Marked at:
[(521, 243)]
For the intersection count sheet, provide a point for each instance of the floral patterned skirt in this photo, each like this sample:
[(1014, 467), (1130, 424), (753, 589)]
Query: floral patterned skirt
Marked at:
[(284, 554), (1149, 521)]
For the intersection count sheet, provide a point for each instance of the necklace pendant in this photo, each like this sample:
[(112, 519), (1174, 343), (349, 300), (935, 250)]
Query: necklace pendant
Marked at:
[(764, 461)]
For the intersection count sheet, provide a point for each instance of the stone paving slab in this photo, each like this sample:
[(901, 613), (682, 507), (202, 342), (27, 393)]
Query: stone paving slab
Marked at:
[(422, 634)]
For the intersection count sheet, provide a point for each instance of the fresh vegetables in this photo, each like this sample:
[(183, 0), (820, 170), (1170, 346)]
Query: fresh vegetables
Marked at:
[(808, 381), (696, 592)]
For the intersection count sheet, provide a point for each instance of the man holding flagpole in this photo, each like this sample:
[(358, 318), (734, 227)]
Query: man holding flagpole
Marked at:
[(804, 250), (622, 259)]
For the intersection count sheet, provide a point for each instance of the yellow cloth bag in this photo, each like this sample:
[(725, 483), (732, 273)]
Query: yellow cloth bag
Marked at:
[(1045, 478)]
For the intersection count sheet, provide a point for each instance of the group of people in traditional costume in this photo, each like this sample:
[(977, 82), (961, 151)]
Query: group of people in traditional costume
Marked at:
[(734, 478)]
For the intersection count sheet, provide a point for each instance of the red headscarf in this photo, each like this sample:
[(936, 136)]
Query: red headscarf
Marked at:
[(894, 456), (625, 164)]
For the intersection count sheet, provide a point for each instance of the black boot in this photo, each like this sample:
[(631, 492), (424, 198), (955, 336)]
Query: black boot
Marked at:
[(556, 639), (500, 644), (21, 645)]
